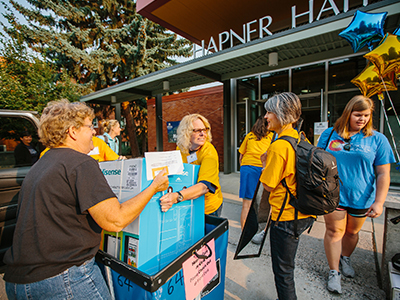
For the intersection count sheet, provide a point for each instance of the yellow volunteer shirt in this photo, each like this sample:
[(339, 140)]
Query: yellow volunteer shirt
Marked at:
[(281, 163), (251, 149), (101, 151), (207, 158)]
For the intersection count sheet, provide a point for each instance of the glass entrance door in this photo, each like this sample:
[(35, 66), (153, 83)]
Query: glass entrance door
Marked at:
[(311, 113), (247, 113)]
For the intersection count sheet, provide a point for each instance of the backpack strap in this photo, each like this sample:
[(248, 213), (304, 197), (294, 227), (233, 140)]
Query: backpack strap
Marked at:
[(292, 142), (327, 142), (106, 140)]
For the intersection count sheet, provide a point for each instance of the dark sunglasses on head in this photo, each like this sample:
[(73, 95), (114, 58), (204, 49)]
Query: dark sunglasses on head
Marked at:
[(347, 146)]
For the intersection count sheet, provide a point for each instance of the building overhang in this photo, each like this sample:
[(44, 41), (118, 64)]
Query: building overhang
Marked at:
[(304, 44)]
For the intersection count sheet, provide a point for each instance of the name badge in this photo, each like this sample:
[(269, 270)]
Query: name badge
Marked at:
[(191, 158)]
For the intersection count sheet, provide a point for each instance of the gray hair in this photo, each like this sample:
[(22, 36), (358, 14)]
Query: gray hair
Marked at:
[(286, 107)]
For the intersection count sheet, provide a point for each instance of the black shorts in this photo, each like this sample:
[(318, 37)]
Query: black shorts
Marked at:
[(354, 212)]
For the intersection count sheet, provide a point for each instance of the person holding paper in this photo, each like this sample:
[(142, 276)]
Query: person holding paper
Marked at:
[(63, 205), (194, 142)]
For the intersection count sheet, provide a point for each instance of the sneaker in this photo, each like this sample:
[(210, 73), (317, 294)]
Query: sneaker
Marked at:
[(346, 268), (257, 239), (334, 285)]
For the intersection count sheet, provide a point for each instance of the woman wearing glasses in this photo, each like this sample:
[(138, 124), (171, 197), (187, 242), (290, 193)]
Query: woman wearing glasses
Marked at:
[(363, 156), (63, 205), (194, 142)]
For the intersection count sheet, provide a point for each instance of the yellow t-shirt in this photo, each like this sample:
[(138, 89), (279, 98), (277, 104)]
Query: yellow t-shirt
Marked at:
[(101, 151), (281, 163), (207, 158), (251, 149)]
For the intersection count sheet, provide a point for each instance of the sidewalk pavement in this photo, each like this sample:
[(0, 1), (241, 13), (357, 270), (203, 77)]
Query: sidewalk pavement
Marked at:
[(252, 278)]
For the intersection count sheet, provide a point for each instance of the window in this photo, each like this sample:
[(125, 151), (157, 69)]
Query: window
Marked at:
[(11, 129), (273, 83), (341, 72), (308, 79)]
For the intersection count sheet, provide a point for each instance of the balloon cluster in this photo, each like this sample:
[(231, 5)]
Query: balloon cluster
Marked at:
[(384, 61)]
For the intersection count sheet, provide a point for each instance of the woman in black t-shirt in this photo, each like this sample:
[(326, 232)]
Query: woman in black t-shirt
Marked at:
[(63, 205)]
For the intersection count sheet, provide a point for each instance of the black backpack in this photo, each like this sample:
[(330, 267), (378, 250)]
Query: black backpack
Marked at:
[(317, 180)]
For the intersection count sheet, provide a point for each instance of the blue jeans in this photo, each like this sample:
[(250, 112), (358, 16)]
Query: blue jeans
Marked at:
[(217, 213), (283, 252), (83, 282)]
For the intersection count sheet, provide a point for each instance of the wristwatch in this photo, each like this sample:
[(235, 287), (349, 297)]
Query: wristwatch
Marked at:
[(180, 197)]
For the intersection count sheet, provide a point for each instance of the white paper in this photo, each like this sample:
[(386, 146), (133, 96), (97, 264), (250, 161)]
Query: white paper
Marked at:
[(319, 127), (156, 161)]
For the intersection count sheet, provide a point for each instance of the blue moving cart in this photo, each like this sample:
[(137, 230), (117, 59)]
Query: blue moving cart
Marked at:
[(128, 282)]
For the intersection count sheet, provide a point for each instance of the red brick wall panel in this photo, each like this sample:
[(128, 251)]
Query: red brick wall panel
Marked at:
[(207, 102)]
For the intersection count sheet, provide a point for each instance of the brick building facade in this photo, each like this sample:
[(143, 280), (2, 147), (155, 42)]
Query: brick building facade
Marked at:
[(207, 102)]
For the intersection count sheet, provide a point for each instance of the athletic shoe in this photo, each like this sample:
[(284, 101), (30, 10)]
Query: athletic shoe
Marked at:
[(345, 265), (257, 239), (334, 285)]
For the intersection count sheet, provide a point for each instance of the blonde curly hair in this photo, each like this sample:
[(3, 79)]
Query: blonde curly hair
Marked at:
[(58, 117), (185, 131)]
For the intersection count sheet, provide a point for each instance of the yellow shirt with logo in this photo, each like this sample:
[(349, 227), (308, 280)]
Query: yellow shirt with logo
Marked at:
[(207, 158), (281, 163), (251, 149)]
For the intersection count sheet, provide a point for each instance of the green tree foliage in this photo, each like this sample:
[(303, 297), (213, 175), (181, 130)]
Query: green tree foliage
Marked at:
[(101, 43), (28, 83)]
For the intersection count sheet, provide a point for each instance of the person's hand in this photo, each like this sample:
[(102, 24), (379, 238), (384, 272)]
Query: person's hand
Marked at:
[(121, 157), (375, 210), (167, 201), (160, 182)]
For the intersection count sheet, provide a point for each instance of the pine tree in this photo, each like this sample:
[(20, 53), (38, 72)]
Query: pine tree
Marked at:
[(102, 43)]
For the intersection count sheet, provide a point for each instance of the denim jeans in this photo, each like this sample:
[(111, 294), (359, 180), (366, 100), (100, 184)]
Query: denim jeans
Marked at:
[(217, 213), (83, 282), (283, 252)]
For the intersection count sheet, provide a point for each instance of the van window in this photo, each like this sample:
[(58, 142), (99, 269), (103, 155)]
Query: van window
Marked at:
[(13, 132)]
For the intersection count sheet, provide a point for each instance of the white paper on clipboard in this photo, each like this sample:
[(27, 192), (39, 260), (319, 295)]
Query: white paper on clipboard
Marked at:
[(157, 161)]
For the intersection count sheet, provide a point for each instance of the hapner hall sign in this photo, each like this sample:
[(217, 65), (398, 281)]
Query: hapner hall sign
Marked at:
[(259, 28)]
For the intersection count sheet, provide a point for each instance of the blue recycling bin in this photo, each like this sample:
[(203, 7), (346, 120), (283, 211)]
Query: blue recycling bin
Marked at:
[(129, 283)]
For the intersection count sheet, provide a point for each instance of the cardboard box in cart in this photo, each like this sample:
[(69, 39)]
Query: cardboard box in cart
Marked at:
[(129, 283), (155, 238)]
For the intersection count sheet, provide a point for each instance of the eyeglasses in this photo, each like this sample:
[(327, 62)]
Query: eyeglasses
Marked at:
[(205, 130), (89, 126), (347, 146)]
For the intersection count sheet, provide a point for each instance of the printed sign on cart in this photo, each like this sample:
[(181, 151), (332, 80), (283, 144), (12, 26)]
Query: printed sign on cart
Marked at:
[(197, 272)]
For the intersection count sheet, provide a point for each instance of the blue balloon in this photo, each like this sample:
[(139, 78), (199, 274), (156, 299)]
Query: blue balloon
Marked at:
[(397, 31), (364, 29)]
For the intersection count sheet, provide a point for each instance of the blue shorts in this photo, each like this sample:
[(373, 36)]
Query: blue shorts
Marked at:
[(249, 176)]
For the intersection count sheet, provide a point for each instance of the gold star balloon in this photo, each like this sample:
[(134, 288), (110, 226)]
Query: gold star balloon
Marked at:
[(386, 57), (369, 81)]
